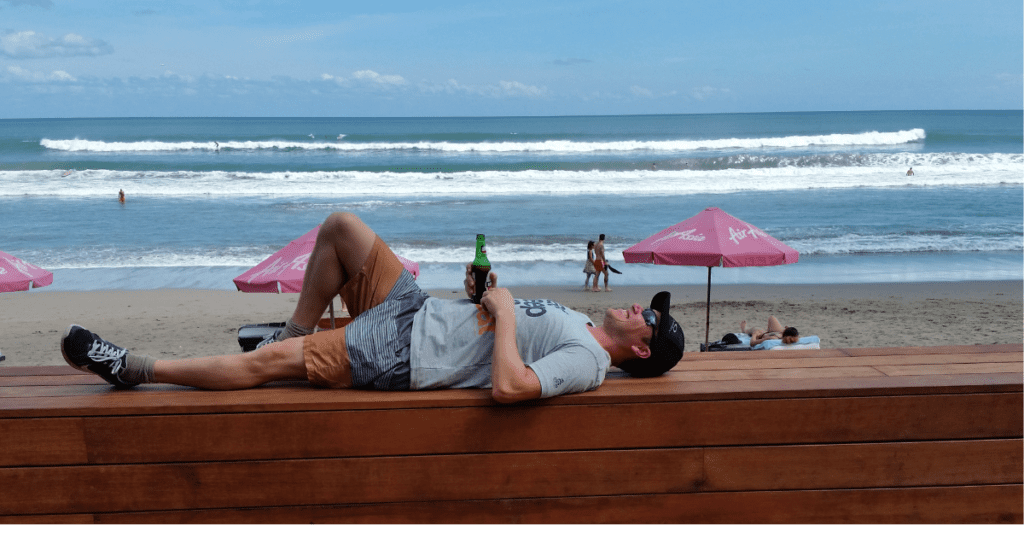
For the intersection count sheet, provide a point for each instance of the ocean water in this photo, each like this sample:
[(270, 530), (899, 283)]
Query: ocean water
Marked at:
[(207, 198)]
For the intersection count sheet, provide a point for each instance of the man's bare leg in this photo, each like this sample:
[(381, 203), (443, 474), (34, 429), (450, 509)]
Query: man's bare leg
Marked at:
[(774, 326), (342, 246), (280, 361)]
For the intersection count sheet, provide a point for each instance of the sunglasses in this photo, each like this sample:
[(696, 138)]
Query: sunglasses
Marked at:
[(652, 320)]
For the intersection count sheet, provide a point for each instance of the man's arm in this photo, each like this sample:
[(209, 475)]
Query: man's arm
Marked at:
[(511, 380)]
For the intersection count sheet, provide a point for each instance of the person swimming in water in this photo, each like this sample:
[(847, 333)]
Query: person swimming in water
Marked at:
[(120, 196)]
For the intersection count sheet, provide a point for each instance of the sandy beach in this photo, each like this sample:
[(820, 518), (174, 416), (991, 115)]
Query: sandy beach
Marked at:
[(178, 323)]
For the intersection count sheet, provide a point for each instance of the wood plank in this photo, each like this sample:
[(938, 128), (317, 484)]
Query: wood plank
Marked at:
[(55, 441), (868, 360), (68, 489), (126, 488), (47, 381), (228, 437), (942, 350), (673, 389), (772, 372), (850, 466), (103, 400), (15, 371), (49, 519), (976, 504), (938, 369)]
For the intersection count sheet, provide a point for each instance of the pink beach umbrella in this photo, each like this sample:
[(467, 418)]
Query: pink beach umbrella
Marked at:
[(284, 270), (19, 275), (711, 238)]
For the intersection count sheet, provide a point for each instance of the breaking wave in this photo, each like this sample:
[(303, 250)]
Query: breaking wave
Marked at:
[(872, 138)]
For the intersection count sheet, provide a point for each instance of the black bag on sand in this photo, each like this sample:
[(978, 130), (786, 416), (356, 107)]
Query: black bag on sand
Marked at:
[(729, 342), (250, 335)]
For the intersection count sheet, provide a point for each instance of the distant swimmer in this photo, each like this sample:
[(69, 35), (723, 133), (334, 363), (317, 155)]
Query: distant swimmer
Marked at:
[(120, 196), (215, 143), (68, 173), (911, 171), (654, 166)]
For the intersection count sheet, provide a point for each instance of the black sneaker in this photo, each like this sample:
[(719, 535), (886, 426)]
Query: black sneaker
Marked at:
[(88, 352), (269, 339)]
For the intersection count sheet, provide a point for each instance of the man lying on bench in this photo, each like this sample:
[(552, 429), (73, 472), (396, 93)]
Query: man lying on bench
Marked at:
[(403, 339)]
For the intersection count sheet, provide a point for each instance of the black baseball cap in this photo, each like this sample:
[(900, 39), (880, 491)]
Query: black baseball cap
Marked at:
[(666, 347)]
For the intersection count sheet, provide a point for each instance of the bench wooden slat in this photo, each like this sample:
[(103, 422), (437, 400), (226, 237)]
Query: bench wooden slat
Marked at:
[(165, 399), (974, 504), (47, 381), (867, 360), (227, 437), (512, 475), (935, 350), (939, 369), (52, 441), (864, 465)]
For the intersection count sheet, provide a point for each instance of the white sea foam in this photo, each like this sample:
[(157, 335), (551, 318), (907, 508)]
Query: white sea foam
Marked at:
[(873, 138), (517, 254), (886, 170)]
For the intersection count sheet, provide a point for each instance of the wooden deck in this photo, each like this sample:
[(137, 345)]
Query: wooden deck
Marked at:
[(883, 435)]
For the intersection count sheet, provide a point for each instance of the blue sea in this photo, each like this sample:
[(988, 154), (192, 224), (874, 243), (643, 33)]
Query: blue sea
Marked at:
[(207, 198)]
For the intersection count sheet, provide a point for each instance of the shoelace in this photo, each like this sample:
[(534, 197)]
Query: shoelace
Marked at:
[(107, 353)]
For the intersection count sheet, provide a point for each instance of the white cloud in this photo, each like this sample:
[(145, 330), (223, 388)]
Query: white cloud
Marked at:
[(520, 89), (29, 44), (504, 88), (705, 92), (640, 92), (376, 78), (22, 74)]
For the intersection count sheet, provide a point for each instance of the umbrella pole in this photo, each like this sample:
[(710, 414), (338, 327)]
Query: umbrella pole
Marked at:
[(707, 311)]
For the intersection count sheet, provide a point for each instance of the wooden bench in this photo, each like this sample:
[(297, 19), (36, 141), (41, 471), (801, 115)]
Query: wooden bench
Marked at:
[(883, 435)]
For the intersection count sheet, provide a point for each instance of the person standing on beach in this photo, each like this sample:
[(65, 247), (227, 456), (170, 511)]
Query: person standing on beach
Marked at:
[(588, 268), (403, 339), (600, 263)]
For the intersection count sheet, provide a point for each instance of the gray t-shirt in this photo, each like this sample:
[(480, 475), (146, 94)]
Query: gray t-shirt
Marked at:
[(453, 342)]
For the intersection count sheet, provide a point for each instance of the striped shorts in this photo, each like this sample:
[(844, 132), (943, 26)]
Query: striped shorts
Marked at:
[(371, 352)]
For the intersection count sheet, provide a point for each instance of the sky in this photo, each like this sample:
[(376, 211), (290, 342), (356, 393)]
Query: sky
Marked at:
[(261, 58)]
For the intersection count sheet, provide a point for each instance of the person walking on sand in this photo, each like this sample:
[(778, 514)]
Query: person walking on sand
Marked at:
[(120, 196), (588, 268), (600, 263), (403, 339)]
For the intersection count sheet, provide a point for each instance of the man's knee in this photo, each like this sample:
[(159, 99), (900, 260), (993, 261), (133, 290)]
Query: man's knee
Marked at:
[(341, 222), (279, 361)]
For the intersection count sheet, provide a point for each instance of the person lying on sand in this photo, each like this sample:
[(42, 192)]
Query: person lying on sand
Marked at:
[(403, 339), (775, 331)]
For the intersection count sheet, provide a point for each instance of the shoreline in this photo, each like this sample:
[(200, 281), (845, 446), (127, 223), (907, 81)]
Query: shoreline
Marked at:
[(181, 323)]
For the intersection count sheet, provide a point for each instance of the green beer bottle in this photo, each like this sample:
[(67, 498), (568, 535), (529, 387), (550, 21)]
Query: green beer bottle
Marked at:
[(481, 266)]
